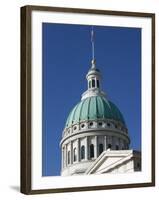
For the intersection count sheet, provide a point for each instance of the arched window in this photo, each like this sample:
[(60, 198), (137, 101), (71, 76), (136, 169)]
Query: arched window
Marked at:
[(91, 151), (68, 157), (82, 152), (109, 146), (97, 83), (75, 154), (108, 124), (100, 148), (93, 83), (138, 165), (125, 145)]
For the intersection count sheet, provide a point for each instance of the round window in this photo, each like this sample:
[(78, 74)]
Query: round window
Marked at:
[(100, 123)]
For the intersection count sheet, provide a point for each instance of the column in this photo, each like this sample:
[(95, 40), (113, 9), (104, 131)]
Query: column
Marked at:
[(95, 82), (78, 149), (86, 149), (65, 156), (120, 147), (96, 148), (62, 160), (71, 152), (113, 142), (105, 142)]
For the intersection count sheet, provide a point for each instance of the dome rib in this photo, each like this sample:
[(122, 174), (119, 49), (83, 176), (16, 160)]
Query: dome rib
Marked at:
[(81, 110), (98, 116), (70, 121), (107, 110), (76, 116), (93, 109), (84, 109), (117, 112), (101, 108), (89, 100)]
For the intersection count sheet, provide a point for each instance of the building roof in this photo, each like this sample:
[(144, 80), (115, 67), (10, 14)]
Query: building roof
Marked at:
[(94, 108)]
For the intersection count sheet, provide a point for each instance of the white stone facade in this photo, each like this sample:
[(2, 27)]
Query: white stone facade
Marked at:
[(121, 161), (82, 146)]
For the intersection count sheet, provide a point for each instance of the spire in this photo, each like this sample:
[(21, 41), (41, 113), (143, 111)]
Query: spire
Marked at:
[(93, 53), (93, 76), (92, 41)]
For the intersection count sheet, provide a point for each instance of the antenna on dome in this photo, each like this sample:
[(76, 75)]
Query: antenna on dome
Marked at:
[(93, 53)]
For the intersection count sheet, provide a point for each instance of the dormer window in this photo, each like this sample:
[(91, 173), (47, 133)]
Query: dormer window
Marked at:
[(91, 123), (83, 125), (100, 123)]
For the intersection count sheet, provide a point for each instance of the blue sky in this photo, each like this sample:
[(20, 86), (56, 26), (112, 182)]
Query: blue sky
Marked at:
[(66, 61)]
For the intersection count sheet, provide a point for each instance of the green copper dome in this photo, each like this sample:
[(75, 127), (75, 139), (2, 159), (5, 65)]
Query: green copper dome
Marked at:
[(92, 108)]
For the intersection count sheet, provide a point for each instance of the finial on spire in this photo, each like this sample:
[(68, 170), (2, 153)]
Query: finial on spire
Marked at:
[(93, 64)]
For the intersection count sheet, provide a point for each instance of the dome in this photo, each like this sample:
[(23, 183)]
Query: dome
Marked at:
[(92, 108), (94, 125)]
